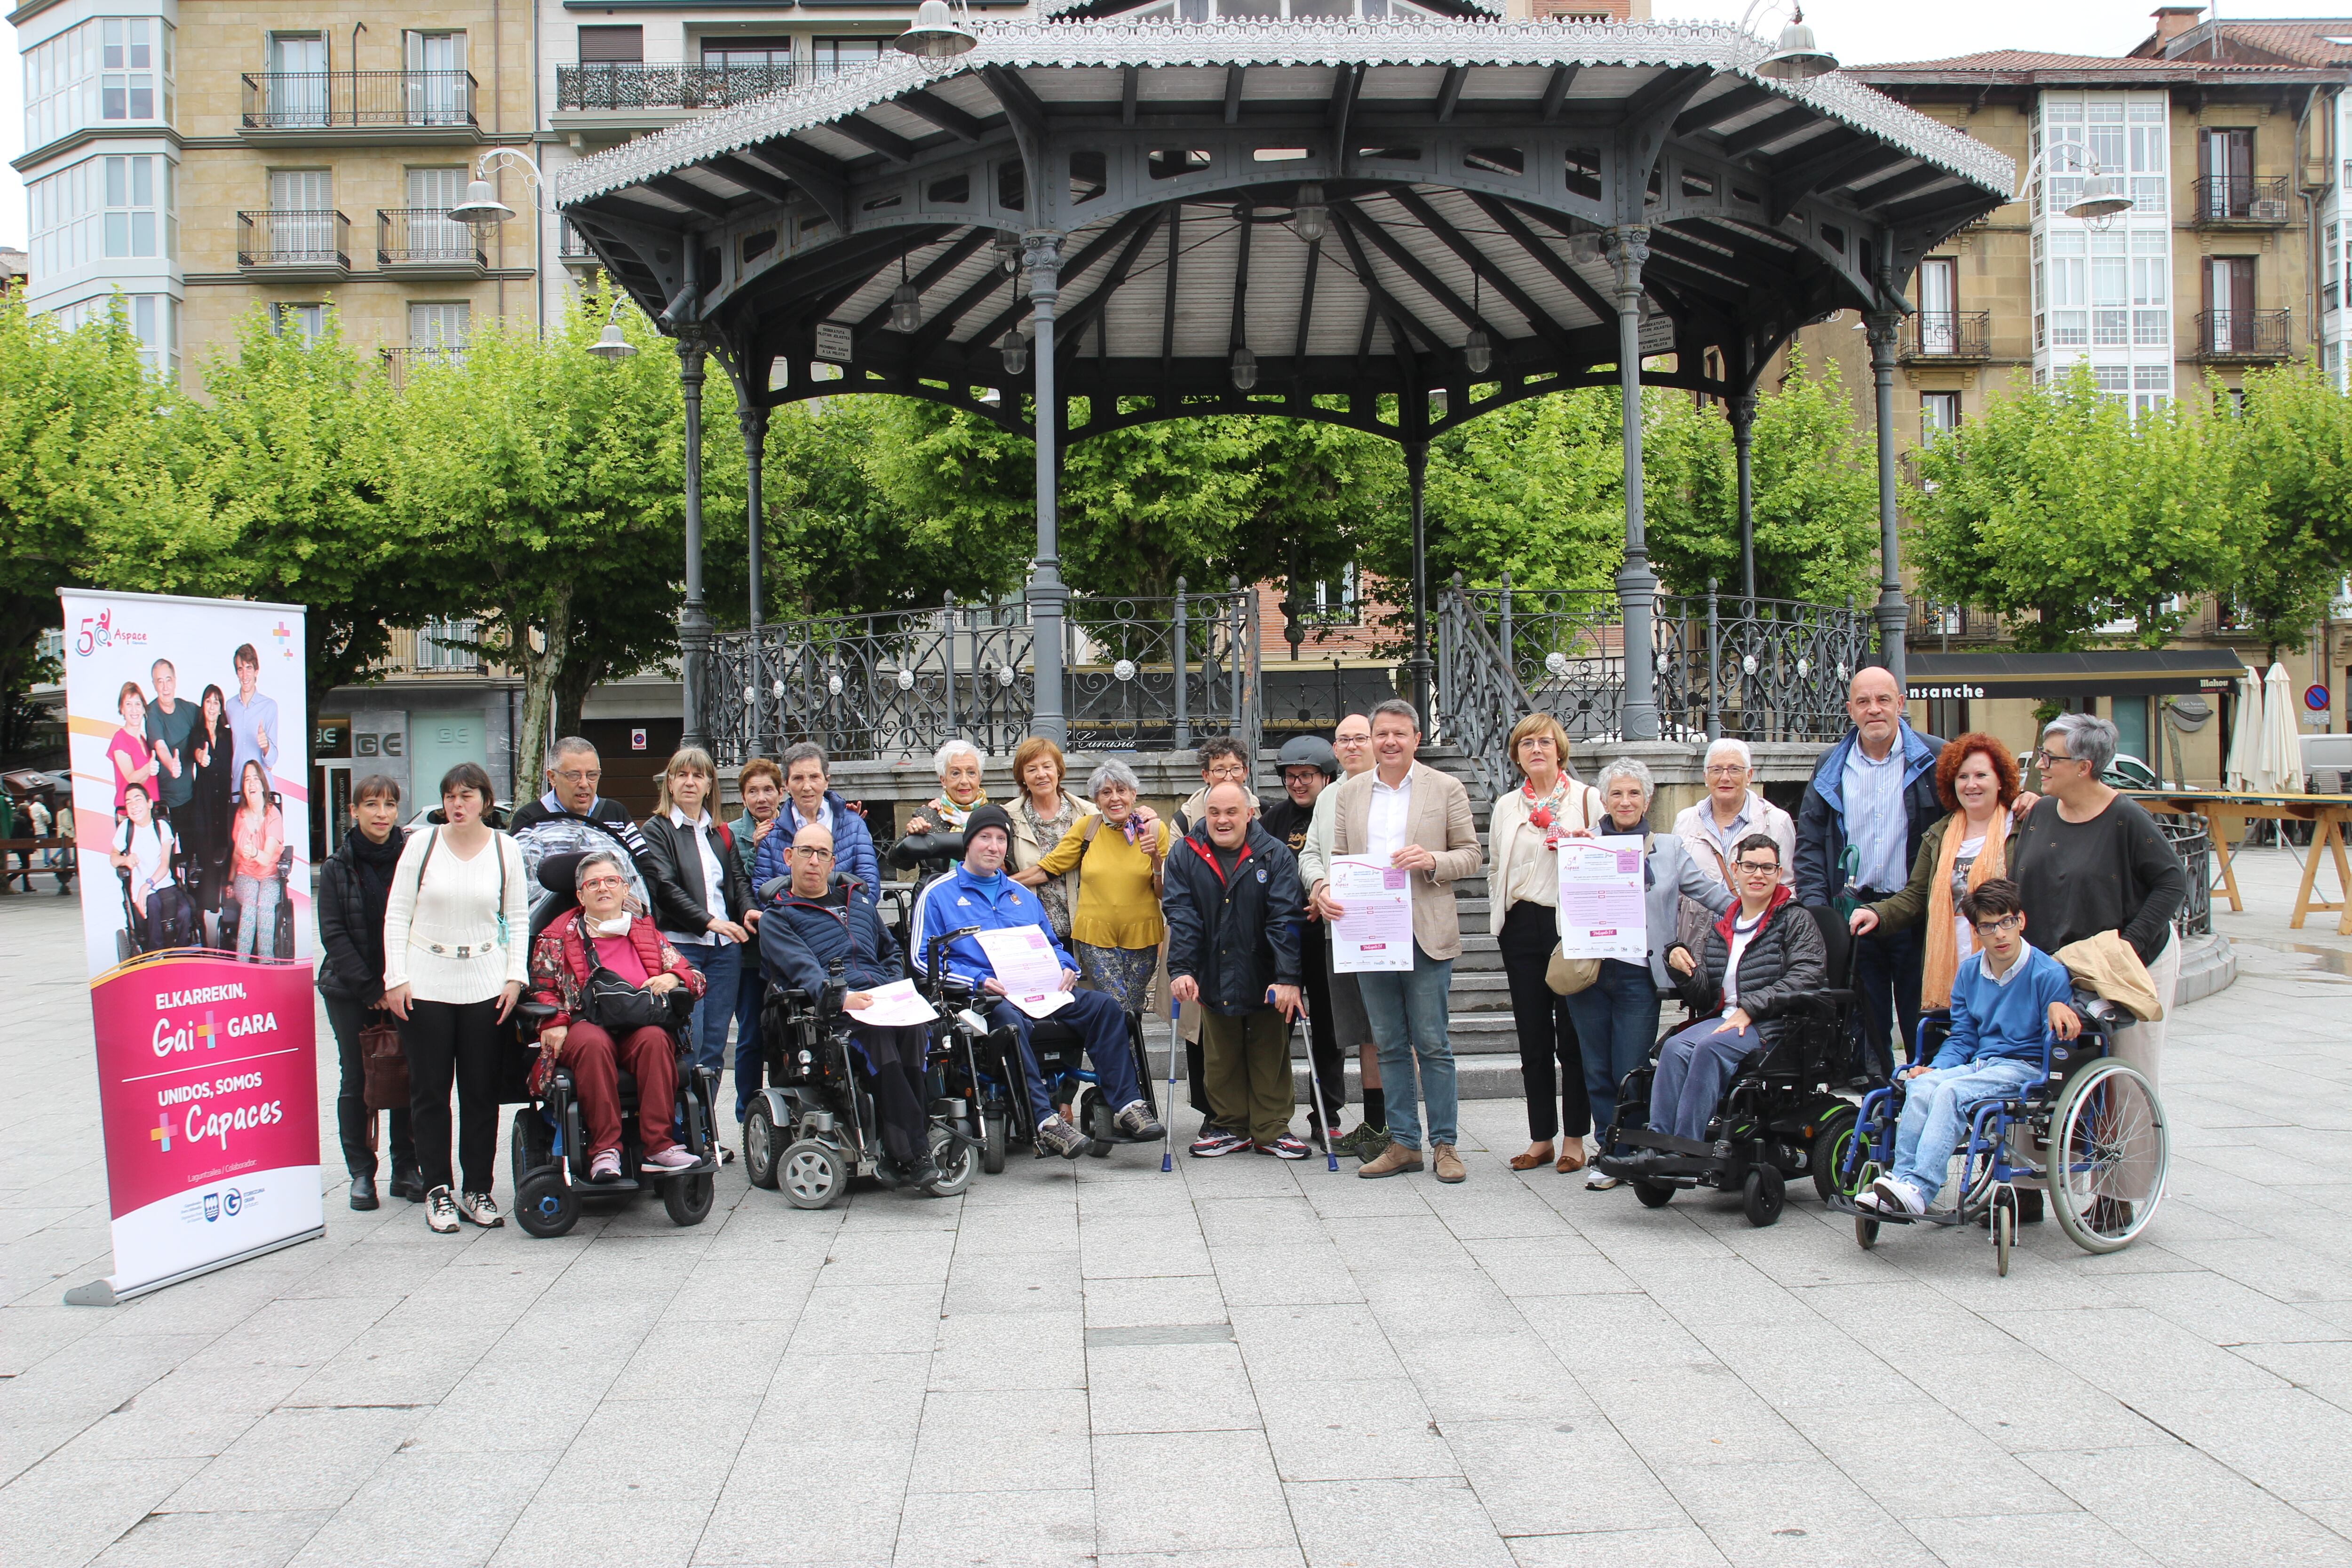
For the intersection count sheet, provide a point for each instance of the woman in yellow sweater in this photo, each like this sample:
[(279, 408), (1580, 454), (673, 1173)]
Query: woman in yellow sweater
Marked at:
[(1115, 923)]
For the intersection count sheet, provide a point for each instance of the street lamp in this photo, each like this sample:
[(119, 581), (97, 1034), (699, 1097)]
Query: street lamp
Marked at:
[(1308, 216), (2102, 197), (905, 305), (482, 207), (1796, 58), (939, 34), (1244, 369), (1016, 348), (609, 344)]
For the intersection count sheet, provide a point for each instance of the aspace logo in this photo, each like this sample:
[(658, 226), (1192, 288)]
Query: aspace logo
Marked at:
[(282, 637), (103, 630)]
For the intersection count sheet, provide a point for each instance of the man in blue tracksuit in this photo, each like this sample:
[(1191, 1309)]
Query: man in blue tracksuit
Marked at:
[(977, 892), (1874, 793), (2008, 1001)]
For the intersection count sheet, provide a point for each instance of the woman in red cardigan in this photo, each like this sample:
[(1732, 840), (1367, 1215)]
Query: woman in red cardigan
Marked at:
[(604, 932)]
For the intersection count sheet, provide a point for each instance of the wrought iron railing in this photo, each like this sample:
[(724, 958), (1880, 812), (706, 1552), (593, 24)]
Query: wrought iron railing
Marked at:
[(425, 236), (2243, 335), (1763, 669), (633, 85), (321, 100), (2188, 839), (1136, 671), (399, 364), (2241, 199), (306, 239), (1949, 335)]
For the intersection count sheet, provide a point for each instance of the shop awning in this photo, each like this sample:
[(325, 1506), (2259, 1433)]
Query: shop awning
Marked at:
[(2128, 672)]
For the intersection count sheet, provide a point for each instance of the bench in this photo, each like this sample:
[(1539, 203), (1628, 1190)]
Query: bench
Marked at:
[(10, 848)]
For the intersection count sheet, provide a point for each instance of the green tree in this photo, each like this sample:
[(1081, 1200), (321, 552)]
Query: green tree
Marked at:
[(540, 488), (2058, 503), (2292, 447)]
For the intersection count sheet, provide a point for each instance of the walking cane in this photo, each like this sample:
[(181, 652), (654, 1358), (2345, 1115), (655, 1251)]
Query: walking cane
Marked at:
[(1318, 1112), (1167, 1111)]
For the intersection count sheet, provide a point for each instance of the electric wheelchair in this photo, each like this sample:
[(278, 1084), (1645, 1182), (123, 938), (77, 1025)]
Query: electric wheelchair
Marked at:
[(171, 920), (1781, 1117), (2091, 1129), (813, 1128), (547, 1149), (279, 941)]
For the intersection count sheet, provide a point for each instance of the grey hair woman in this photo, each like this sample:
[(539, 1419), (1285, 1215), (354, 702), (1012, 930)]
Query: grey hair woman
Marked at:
[(934, 839), (1617, 1015), (1116, 852)]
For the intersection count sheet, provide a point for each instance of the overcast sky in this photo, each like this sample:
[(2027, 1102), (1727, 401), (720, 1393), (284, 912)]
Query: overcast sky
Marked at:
[(1862, 32)]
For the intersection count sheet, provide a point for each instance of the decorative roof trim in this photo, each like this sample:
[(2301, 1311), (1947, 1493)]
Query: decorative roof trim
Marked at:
[(1112, 44)]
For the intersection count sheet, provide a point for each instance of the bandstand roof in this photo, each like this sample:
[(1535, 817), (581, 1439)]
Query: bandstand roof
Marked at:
[(1462, 163)]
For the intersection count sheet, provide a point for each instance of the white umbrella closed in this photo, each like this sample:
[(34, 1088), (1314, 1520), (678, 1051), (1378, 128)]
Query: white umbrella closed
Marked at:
[(2278, 764), (2245, 725)]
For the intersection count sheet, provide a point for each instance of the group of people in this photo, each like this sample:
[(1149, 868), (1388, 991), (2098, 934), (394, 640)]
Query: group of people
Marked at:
[(197, 825), (1224, 909)]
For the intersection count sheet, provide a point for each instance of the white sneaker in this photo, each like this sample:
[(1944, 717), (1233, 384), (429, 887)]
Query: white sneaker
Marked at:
[(1598, 1180), (481, 1209), (674, 1158), (441, 1211)]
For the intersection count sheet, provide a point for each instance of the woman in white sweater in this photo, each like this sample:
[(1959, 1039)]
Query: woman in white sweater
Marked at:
[(456, 953)]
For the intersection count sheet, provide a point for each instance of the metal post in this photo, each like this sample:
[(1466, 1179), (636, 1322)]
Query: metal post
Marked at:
[(1416, 469), (1506, 622), (1713, 650), (1042, 252), (753, 417), (1742, 410), (1234, 651), (1183, 697), (948, 615), (1892, 614), (1637, 585), (693, 620)]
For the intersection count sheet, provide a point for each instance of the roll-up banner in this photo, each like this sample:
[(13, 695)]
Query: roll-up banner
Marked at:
[(192, 837)]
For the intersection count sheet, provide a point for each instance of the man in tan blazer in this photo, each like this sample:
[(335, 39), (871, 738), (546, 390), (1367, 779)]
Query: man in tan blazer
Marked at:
[(1416, 818)]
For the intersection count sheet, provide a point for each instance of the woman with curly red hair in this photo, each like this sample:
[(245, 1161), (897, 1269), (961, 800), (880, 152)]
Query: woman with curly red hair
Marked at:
[(1977, 780)]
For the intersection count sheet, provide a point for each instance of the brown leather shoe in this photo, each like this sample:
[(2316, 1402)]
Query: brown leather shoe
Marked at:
[(1393, 1161), (1531, 1160), (1571, 1157), (1447, 1162)]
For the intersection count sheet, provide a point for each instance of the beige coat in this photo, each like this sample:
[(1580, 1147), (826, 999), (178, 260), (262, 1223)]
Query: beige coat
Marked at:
[(1441, 823), (1580, 808), (1692, 825)]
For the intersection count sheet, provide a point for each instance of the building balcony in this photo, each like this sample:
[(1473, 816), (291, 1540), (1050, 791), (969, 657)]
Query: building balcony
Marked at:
[(297, 247), (399, 364), (337, 106), (2225, 337), (2240, 201), (426, 242), (572, 252), (1946, 337)]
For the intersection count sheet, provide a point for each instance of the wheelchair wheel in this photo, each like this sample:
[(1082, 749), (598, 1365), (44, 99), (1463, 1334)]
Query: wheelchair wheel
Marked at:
[(992, 1135), (530, 1145), (1832, 1141), (1865, 1230), (1099, 1124), (545, 1205), (958, 1162), (1763, 1196), (2004, 1229), (1653, 1195), (689, 1198), (2108, 1156), (760, 1144), (812, 1175)]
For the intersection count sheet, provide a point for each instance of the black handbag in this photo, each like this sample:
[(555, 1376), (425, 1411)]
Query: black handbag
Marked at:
[(619, 1007)]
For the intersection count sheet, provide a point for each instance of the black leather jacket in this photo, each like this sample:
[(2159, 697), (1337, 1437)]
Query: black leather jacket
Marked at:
[(675, 876)]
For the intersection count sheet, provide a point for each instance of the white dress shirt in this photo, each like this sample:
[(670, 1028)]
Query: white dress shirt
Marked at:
[(1388, 828)]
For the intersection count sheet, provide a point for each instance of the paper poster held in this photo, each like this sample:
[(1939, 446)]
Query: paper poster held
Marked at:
[(1602, 913)]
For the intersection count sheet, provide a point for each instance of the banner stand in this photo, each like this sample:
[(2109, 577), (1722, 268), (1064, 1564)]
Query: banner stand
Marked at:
[(100, 1292)]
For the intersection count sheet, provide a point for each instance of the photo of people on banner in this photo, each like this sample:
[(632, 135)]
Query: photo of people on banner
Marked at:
[(185, 727)]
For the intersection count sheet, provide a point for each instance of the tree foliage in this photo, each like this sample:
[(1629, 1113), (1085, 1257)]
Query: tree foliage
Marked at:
[(2292, 471)]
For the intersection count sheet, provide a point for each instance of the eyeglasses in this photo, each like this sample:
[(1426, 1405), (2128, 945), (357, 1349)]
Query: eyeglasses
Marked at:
[(592, 883), (580, 775), (1757, 868), (2002, 926), (2045, 756), (812, 852), (1725, 771), (1226, 771)]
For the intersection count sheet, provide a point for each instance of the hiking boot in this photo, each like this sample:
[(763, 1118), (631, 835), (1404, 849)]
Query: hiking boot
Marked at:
[(1446, 1162), (1366, 1142), (481, 1209), (1055, 1136), (1393, 1161), (1135, 1119)]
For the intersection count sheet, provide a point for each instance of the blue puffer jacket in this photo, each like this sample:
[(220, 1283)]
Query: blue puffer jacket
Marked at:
[(799, 938), (959, 899), (1821, 819), (853, 849)]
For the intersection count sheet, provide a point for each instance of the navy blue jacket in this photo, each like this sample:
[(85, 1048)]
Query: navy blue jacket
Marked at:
[(959, 899), (1821, 819), (799, 938), (1234, 934), (853, 849)]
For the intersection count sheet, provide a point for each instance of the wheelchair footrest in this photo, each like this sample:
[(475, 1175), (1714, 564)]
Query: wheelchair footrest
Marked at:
[(1664, 1142)]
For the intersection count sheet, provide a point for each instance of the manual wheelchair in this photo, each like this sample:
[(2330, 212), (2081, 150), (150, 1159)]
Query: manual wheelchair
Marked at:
[(547, 1149), (1781, 1117), (813, 1128), (2090, 1129)]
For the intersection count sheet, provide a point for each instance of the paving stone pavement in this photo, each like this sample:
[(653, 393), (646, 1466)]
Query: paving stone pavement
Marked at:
[(1245, 1364)]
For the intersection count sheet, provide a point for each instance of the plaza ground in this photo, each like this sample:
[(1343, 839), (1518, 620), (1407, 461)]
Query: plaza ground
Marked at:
[(1245, 1364)]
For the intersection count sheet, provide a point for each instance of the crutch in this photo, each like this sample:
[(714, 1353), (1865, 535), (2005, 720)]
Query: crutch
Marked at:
[(1319, 1113), (1167, 1111)]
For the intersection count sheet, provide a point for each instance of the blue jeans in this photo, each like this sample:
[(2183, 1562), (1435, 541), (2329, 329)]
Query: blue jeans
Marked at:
[(1616, 1023), (1935, 1110), (751, 990), (1695, 1067), (1407, 1013), (1100, 1025), (719, 964)]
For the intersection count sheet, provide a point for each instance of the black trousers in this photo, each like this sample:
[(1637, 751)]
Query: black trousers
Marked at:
[(445, 1040), (1322, 1027), (1886, 971), (351, 1113), (894, 1063), (1551, 1065)]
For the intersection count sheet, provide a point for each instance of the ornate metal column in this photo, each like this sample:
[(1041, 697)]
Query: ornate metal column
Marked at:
[(1042, 253), (1742, 411), (693, 620), (1637, 585), (1416, 471), (754, 418), (1893, 615)]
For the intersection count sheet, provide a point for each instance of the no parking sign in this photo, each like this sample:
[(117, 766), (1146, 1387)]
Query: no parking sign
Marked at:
[(2316, 698)]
